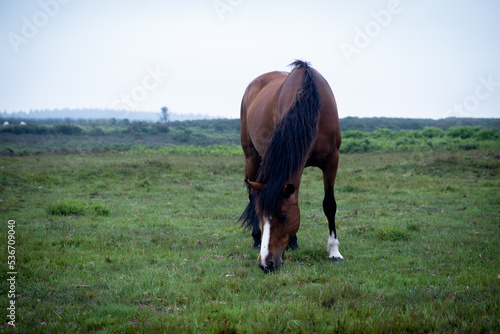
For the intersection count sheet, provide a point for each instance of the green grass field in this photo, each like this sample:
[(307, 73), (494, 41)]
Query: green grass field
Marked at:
[(148, 242)]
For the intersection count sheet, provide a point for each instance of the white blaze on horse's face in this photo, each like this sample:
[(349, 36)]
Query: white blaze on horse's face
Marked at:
[(264, 246)]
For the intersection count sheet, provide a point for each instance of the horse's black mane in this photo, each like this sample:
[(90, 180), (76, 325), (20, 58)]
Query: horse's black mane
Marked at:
[(290, 142)]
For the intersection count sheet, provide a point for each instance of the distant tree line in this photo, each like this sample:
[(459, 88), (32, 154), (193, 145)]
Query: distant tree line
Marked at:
[(92, 114), (57, 129), (222, 125)]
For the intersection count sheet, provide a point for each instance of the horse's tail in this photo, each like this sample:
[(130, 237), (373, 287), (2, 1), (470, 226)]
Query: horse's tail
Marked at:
[(291, 141)]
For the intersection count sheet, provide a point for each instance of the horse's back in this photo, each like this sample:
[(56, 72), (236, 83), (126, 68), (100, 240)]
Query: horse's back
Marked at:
[(269, 97)]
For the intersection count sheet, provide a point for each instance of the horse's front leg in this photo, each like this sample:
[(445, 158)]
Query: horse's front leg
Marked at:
[(330, 208)]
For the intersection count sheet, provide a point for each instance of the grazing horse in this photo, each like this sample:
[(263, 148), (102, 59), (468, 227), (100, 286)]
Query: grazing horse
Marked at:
[(288, 121)]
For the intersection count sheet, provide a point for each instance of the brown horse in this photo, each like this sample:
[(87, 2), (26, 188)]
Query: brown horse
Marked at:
[(288, 121)]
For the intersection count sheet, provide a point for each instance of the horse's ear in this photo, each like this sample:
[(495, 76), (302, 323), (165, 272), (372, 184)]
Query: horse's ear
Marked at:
[(288, 190), (255, 185)]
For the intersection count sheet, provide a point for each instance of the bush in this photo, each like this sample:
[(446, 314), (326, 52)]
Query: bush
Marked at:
[(356, 134), (463, 132), (485, 134), (184, 136), (355, 146), (26, 129), (67, 129), (384, 133), (95, 131), (139, 127), (162, 128), (432, 132)]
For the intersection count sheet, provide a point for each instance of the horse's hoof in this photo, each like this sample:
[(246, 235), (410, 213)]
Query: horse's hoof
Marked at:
[(336, 259), (257, 247)]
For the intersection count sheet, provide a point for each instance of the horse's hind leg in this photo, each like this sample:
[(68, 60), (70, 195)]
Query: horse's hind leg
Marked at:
[(330, 206)]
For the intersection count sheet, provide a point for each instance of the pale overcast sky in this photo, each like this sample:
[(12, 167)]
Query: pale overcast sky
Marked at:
[(389, 58)]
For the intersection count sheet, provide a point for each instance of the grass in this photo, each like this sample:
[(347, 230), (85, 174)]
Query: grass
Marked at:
[(68, 207), (147, 242)]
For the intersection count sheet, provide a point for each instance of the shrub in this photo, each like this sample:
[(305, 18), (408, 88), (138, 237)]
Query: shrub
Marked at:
[(463, 132), (95, 131), (183, 137), (432, 132), (162, 128), (384, 133), (26, 129), (354, 134), (355, 146), (485, 134), (139, 127), (67, 129)]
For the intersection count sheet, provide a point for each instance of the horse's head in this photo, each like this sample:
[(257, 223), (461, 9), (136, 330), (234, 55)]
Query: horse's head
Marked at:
[(277, 227)]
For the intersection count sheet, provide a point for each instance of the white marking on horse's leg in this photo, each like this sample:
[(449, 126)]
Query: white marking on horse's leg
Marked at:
[(333, 246), (264, 246)]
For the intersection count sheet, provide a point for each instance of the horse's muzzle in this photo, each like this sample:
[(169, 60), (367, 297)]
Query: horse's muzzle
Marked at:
[(270, 266)]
